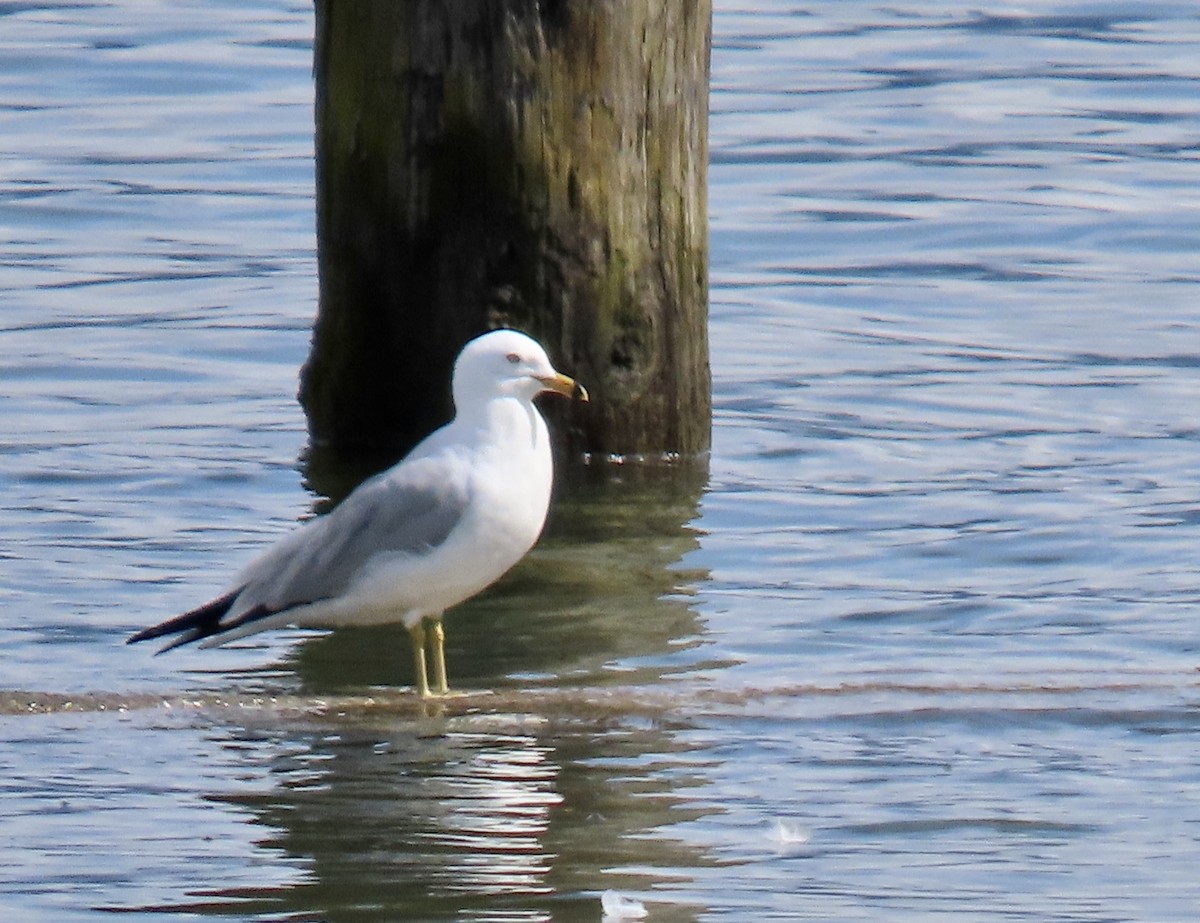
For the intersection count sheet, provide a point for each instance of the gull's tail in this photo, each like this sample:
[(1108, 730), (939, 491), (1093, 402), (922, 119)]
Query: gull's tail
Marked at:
[(202, 622)]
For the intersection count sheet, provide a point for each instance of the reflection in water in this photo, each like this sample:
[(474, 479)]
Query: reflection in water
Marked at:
[(497, 805), (605, 583), (424, 817), (498, 818)]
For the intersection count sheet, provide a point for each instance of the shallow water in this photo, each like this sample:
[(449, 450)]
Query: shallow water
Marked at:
[(919, 644)]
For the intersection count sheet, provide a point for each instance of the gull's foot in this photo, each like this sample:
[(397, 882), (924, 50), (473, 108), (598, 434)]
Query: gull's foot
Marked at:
[(450, 694)]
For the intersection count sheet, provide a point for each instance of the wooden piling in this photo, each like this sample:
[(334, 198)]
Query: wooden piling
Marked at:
[(539, 164)]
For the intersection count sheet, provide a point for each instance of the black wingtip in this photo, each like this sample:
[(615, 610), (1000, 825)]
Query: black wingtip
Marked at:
[(191, 626)]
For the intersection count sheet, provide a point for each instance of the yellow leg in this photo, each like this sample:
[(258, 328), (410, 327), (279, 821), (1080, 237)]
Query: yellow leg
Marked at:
[(417, 633), (438, 634)]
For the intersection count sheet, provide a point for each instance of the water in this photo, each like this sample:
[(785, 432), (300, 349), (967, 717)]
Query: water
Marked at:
[(919, 645)]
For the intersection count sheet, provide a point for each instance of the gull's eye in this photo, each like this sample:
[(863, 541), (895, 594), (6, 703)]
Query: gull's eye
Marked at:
[(513, 358)]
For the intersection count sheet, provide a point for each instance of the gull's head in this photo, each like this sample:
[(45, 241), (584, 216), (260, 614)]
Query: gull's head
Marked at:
[(505, 363)]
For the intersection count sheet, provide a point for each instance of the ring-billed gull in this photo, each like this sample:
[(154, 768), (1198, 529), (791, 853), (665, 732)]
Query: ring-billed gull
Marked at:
[(448, 520)]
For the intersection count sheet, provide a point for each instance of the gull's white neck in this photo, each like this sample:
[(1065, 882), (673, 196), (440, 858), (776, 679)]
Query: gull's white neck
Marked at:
[(509, 444), (504, 421)]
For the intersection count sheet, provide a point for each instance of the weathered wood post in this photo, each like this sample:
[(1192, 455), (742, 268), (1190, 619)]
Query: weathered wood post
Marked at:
[(540, 164)]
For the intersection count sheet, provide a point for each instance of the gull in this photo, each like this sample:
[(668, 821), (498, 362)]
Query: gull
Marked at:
[(438, 527)]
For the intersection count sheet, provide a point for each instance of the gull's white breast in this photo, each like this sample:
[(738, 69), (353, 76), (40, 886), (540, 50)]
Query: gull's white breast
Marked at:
[(510, 483)]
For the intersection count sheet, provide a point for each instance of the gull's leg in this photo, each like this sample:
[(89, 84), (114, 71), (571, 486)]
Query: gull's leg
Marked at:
[(417, 633), (438, 633)]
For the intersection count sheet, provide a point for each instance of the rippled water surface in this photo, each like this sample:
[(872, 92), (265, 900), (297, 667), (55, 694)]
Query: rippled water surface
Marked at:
[(920, 644)]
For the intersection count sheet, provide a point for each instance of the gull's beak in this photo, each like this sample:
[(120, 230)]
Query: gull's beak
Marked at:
[(564, 385)]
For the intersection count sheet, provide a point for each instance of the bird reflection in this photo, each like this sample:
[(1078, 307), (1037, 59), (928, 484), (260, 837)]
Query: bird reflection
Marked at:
[(497, 806), (464, 819)]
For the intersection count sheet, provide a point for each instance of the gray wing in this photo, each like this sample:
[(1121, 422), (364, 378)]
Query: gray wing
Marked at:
[(411, 509)]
